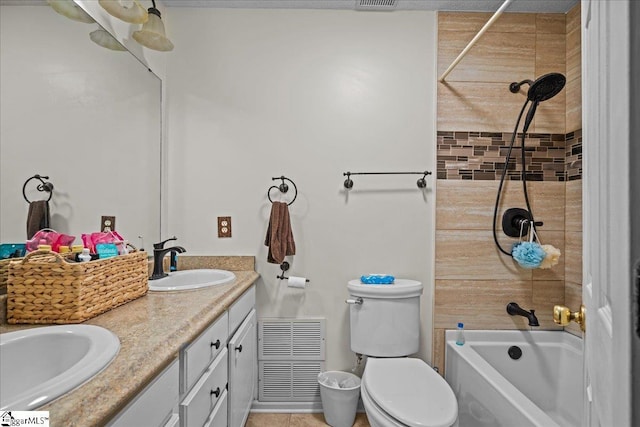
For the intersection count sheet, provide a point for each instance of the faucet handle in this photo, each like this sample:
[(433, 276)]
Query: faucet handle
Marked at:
[(160, 245)]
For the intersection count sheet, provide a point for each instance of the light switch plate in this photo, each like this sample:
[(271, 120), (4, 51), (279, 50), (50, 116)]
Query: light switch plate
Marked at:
[(224, 226)]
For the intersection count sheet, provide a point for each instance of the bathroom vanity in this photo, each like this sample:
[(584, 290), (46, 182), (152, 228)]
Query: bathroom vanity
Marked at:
[(170, 368), (212, 381)]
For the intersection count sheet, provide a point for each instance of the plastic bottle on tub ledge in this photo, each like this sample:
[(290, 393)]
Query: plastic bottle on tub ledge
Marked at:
[(460, 334)]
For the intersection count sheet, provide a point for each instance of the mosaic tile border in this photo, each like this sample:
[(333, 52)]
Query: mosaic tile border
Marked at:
[(482, 156)]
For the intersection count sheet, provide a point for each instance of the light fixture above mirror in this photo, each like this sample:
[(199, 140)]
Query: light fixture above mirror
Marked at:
[(152, 34), (128, 10), (106, 40), (71, 10)]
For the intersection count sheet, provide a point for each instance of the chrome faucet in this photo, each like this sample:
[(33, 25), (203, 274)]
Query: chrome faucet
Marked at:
[(159, 252), (515, 310)]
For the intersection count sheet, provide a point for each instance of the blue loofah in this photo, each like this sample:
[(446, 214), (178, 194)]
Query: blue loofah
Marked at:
[(377, 279), (528, 254)]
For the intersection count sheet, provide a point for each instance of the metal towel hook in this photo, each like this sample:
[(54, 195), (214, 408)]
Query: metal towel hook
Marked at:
[(283, 188), (45, 186)]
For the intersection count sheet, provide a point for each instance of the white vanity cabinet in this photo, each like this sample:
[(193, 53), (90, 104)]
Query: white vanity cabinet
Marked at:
[(155, 405), (242, 370), (217, 373)]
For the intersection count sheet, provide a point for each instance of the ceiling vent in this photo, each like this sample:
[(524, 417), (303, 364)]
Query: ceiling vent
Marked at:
[(376, 4)]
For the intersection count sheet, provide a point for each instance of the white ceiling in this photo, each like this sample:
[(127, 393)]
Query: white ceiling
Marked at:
[(544, 6)]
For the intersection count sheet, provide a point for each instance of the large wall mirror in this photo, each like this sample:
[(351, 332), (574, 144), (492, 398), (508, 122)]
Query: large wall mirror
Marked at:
[(87, 117)]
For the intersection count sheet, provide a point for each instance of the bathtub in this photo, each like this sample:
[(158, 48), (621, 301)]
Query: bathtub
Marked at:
[(542, 388)]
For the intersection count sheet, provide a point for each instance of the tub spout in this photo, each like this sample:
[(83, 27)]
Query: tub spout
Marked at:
[(515, 310)]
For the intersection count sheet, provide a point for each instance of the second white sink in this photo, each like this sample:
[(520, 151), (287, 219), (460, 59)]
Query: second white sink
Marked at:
[(40, 364), (191, 279)]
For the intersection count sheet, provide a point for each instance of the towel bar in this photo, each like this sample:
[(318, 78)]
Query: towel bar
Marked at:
[(422, 182)]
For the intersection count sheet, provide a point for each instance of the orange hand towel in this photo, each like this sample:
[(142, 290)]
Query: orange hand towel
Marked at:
[(279, 237)]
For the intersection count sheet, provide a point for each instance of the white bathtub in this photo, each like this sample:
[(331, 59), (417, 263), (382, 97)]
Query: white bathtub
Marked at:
[(542, 388)]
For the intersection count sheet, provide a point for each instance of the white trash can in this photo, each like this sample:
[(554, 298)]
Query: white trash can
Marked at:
[(339, 392)]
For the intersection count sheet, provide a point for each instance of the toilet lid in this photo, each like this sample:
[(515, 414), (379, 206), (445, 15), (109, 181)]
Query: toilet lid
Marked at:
[(411, 392)]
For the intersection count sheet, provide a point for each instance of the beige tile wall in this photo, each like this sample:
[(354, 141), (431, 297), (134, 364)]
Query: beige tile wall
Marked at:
[(574, 71), (573, 195), (474, 281), (476, 96)]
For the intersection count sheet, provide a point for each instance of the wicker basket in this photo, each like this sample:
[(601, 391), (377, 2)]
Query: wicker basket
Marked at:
[(43, 287), (4, 271)]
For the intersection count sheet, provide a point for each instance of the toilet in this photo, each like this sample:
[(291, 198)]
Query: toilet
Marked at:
[(396, 390)]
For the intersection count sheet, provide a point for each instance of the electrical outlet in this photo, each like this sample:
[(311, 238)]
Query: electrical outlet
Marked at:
[(224, 226), (107, 223)]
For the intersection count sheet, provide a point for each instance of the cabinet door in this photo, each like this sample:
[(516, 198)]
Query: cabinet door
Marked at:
[(154, 405), (242, 370)]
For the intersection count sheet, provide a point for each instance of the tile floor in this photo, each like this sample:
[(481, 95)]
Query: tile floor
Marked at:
[(257, 419)]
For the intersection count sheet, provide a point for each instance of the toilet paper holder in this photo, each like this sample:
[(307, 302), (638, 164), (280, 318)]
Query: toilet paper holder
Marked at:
[(284, 267)]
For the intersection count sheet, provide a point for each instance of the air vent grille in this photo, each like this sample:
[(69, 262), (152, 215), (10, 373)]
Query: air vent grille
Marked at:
[(291, 339), (281, 381), (290, 357), (376, 4)]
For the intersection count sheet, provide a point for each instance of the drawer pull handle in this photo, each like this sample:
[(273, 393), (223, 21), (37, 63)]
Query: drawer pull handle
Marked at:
[(216, 344), (216, 392), (239, 348)]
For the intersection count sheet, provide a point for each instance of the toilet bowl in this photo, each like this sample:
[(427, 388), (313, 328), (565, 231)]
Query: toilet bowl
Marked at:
[(406, 392), (397, 391)]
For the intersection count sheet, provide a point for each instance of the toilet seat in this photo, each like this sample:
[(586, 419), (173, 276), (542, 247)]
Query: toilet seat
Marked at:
[(410, 392)]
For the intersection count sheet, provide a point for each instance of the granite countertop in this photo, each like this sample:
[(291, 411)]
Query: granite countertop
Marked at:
[(152, 329)]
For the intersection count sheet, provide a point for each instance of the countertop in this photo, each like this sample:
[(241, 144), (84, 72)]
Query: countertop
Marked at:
[(152, 330)]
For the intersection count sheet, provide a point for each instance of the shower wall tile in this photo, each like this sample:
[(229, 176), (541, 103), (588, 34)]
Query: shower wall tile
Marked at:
[(482, 155), (574, 70), (550, 54), (574, 104), (573, 209), (573, 256), (550, 23), (507, 23), (573, 18), (496, 57), (477, 106), (438, 356), (516, 47), (547, 203), (574, 44), (480, 304), (551, 115), (472, 255), (469, 204), (546, 294), (573, 155)]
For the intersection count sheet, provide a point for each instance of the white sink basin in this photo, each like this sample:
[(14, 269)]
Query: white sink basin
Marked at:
[(191, 279), (40, 364)]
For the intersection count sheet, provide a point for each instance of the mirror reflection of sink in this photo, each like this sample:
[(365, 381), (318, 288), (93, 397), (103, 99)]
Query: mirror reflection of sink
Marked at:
[(191, 279), (40, 364)]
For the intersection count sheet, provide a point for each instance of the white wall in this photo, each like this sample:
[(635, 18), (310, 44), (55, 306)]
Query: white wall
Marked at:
[(254, 94), (87, 117)]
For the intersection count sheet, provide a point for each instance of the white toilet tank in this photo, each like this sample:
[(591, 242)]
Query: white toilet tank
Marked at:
[(387, 321)]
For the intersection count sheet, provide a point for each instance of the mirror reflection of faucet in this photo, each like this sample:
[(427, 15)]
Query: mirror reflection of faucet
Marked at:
[(159, 252), (515, 310)]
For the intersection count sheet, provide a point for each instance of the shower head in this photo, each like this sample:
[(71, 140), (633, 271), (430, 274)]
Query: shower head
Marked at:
[(545, 87)]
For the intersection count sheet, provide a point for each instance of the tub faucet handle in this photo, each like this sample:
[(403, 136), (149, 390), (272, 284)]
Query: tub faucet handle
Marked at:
[(563, 316)]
